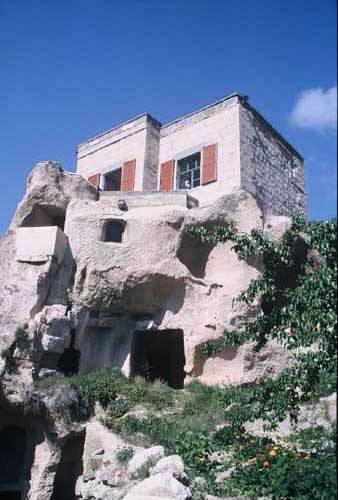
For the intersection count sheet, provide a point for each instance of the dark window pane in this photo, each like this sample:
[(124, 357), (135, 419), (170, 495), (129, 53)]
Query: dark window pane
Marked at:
[(188, 171), (113, 231), (185, 181), (112, 180)]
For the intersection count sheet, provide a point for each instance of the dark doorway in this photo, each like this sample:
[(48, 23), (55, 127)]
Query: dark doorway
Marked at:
[(112, 180), (12, 462), (159, 354), (68, 362), (10, 495), (69, 469)]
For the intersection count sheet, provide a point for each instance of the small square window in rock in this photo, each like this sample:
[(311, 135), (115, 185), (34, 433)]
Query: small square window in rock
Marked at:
[(113, 231), (189, 172)]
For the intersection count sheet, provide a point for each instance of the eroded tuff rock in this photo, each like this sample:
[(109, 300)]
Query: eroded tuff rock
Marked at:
[(95, 280), (157, 273)]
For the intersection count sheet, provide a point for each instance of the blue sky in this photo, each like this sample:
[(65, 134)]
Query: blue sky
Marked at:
[(71, 69)]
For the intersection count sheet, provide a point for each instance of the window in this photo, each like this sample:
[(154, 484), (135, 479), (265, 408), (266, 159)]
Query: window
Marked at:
[(113, 231), (112, 180), (189, 172)]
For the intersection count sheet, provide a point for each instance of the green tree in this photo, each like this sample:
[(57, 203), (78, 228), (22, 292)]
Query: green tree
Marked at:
[(297, 291)]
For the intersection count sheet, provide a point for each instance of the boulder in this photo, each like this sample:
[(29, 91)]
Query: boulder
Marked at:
[(172, 464), (94, 490), (276, 225), (143, 459), (162, 486), (100, 449), (321, 413)]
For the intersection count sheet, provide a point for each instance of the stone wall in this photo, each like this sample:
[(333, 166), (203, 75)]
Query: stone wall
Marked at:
[(151, 156), (215, 124), (271, 169), (131, 140)]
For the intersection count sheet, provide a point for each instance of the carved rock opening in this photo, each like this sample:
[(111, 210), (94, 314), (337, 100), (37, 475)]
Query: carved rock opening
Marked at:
[(45, 215), (12, 463), (159, 354), (69, 469), (68, 362)]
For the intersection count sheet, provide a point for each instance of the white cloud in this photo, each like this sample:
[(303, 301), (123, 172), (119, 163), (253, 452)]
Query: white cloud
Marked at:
[(316, 109)]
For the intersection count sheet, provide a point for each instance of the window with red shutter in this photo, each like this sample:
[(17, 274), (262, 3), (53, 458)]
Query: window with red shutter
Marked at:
[(128, 176), (209, 164), (167, 175), (94, 180)]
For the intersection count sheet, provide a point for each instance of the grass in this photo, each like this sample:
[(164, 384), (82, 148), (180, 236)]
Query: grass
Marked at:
[(199, 422)]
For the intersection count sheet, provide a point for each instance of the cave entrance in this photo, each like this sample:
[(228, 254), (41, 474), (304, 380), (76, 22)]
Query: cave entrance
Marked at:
[(68, 362), (12, 463), (159, 354), (69, 469), (45, 215)]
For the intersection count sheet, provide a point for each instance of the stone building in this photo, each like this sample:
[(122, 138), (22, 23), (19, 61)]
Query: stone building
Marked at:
[(211, 152)]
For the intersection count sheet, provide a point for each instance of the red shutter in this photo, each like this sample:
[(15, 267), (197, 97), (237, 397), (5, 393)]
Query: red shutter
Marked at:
[(209, 164), (128, 176), (94, 180), (167, 175)]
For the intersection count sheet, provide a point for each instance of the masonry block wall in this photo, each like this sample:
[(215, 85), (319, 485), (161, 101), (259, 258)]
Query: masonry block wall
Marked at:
[(233, 145), (271, 168), (216, 126), (132, 146)]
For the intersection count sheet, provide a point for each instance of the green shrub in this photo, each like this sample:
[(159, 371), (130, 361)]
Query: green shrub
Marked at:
[(124, 455), (289, 475)]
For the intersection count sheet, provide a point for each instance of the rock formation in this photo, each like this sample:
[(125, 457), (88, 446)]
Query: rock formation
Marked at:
[(94, 280)]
